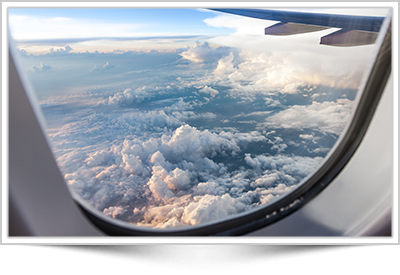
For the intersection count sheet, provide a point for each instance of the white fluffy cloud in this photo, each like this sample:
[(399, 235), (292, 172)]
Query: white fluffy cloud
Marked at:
[(114, 211), (209, 208), (225, 66), (189, 143), (60, 51), (159, 188), (295, 167), (171, 180), (328, 117), (286, 73), (209, 90), (284, 63), (306, 136), (200, 53), (128, 96)]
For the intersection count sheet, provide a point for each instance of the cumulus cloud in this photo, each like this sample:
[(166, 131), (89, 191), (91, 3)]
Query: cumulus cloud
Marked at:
[(209, 90), (127, 97), (276, 70), (159, 188), (170, 179), (225, 65), (191, 144), (285, 73), (42, 68), (327, 117), (306, 136), (297, 167), (159, 171), (114, 211), (22, 52), (200, 53), (60, 51), (284, 63), (209, 208), (279, 147), (106, 66), (185, 186)]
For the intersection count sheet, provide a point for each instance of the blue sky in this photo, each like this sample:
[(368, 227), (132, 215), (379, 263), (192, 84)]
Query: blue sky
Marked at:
[(118, 15), (142, 21)]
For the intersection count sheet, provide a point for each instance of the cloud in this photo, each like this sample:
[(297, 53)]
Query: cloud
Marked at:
[(242, 25), (22, 52), (285, 73), (225, 65), (127, 97), (200, 53), (209, 90), (209, 208), (95, 68), (157, 156), (190, 144), (296, 167), (269, 63), (273, 70), (114, 211), (108, 66), (178, 179), (169, 179), (97, 158), (159, 188), (279, 147), (259, 113), (42, 68), (171, 168), (327, 117), (39, 27), (60, 51), (306, 136)]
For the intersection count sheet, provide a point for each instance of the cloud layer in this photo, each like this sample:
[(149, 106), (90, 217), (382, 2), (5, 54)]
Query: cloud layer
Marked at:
[(152, 168)]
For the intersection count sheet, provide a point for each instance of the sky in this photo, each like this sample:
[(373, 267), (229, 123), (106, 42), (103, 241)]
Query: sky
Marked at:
[(172, 118), (67, 25)]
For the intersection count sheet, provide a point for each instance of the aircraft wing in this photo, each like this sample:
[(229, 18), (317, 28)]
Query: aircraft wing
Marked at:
[(353, 30)]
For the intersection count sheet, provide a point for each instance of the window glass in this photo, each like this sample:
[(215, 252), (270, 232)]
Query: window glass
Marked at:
[(167, 118)]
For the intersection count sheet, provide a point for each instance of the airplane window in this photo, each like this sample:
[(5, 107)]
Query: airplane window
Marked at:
[(174, 118)]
